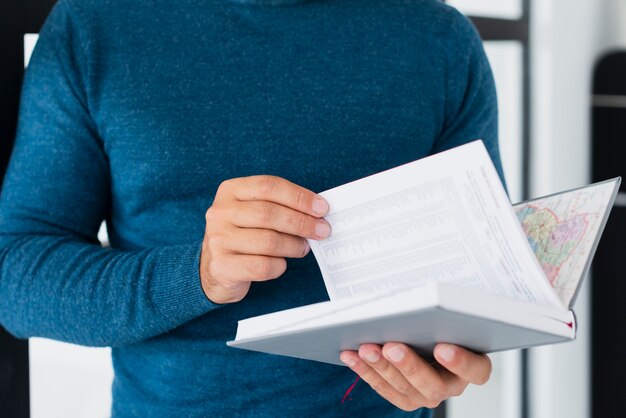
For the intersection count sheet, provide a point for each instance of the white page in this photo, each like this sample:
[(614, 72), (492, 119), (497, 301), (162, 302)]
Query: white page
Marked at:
[(442, 218)]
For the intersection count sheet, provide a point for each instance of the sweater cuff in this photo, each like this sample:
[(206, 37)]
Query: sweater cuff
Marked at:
[(176, 287)]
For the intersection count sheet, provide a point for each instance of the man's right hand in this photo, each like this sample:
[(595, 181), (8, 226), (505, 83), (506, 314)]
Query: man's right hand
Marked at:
[(253, 224)]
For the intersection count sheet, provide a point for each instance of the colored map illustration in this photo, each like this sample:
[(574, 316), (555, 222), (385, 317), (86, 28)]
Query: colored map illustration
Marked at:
[(552, 239), (562, 230)]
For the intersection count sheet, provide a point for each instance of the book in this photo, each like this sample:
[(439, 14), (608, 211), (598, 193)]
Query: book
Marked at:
[(433, 251)]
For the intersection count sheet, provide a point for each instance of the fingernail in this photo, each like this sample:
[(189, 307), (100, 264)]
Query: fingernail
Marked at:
[(322, 230), (320, 206), (395, 354), (306, 248), (371, 357), (446, 353), (348, 361)]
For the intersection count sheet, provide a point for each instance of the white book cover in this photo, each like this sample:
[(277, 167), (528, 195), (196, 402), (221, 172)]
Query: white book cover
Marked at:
[(433, 251)]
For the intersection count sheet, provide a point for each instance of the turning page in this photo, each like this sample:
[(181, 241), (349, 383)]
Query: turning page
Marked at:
[(443, 218), (564, 229)]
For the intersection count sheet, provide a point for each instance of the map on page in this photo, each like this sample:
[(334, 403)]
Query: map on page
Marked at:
[(562, 230)]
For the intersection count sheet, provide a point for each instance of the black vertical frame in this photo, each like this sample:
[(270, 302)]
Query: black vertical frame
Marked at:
[(17, 17), (607, 285), (492, 29), (517, 30)]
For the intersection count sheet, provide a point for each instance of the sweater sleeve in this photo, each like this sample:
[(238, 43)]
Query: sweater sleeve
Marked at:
[(56, 281), (471, 105)]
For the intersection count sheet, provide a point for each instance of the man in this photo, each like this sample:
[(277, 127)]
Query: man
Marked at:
[(165, 117)]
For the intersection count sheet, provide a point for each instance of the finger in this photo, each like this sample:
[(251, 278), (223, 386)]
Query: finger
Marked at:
[(379, 384), (269, 215), (433, 385), (263, 242), (278, 190), (246, 268), (472, 367), (372, 355)]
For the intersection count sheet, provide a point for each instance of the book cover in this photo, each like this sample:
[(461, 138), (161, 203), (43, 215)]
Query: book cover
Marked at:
[(433, 251)]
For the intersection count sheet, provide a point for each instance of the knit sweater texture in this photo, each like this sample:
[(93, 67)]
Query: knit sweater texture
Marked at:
[(133, 112)]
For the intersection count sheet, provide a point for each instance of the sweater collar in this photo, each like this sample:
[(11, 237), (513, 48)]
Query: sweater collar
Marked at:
[(268, 2)]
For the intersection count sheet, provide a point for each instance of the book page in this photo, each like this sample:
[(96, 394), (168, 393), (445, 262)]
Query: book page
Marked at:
[(442, 218), (564, 230)]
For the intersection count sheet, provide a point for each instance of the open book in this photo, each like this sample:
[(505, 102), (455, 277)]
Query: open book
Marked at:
[(433, 251)]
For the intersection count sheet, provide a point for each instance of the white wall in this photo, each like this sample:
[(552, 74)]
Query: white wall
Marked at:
[(69, 381), (568, 37)]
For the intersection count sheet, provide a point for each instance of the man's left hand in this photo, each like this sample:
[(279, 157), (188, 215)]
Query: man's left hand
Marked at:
[(410, 382)]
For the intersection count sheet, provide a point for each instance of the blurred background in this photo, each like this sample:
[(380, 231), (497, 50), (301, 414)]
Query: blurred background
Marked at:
[(561, 80)]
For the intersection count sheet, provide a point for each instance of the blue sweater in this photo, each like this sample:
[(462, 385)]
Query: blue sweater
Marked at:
[(134, 112)]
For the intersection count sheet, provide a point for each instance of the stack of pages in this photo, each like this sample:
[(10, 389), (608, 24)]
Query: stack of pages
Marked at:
[(433, 251)]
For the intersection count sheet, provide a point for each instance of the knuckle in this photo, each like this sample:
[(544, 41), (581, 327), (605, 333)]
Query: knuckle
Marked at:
[(225, 186), (210, 214), (271, 268), (214, 268), (403, 387), (272, 242), (299, 199), (268, 185), (370, 376), (216, 215), (265, 213), (378, 387), (215, 242), (382, 367), (411, 370), (432, 404), (261, 268), (302, 224), (408, 405), (435, 393)]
